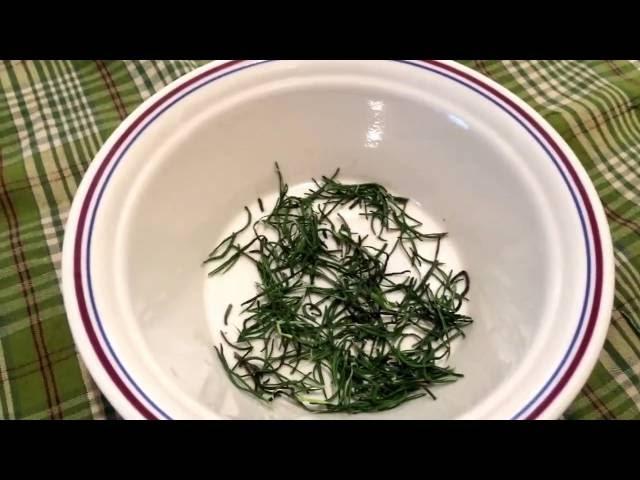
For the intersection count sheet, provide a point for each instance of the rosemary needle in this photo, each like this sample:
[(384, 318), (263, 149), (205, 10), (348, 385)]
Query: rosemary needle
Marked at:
[(226, 313)]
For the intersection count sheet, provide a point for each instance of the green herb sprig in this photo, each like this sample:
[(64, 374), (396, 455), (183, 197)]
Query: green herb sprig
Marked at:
[(330, 328)]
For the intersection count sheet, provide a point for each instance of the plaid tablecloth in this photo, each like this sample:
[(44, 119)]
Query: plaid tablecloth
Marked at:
[(55, 115)]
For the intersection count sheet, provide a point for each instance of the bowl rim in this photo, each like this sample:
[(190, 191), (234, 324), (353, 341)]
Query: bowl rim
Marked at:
[(132, 403)]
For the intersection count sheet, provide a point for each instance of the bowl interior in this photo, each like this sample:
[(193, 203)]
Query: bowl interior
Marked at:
[(468, 166)]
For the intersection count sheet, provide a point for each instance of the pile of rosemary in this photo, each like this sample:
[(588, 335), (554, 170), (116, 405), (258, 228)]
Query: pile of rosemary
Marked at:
[(330, 328)]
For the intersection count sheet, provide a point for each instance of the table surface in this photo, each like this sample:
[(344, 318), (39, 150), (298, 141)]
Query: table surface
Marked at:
[(55, 115)]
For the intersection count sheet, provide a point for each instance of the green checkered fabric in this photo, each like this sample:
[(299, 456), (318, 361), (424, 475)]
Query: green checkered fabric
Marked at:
[(55, 115)]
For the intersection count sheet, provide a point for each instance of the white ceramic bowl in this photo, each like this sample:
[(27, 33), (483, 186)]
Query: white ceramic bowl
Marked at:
[(522, 216)]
